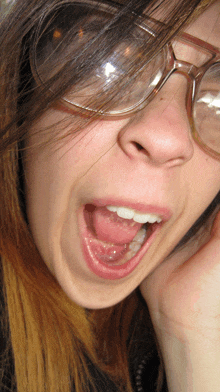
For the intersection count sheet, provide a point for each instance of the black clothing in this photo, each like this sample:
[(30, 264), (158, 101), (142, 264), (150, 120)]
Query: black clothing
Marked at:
[(144, 378)]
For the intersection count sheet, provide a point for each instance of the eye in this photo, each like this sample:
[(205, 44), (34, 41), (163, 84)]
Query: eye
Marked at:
[(65, 41), (63, 33)]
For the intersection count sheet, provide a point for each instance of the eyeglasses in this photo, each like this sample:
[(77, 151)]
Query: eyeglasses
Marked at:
[(71, 31)]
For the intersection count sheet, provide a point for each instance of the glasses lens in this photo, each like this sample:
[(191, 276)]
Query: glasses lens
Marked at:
[(71, 35), (63, 34), (111, 82), (207, 109)]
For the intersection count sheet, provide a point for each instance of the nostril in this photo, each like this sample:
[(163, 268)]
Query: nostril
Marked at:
[(138, 146)]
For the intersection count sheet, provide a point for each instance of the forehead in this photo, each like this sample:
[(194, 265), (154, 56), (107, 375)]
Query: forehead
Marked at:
[(207, 25)]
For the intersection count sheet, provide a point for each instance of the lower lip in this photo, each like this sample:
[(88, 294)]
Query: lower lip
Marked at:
[(106, 270)]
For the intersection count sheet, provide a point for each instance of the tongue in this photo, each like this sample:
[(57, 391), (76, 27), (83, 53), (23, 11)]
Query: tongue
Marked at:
[(109, 227)]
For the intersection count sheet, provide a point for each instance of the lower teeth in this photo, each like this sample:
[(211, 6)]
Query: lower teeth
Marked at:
[(133, 247), (136, 244), (138, 240)]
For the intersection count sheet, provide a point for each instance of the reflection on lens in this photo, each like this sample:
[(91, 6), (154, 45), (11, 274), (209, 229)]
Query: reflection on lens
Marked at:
[(207, 108), (103, 84)]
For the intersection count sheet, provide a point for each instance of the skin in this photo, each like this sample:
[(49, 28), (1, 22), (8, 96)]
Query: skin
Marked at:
[(103, 160)]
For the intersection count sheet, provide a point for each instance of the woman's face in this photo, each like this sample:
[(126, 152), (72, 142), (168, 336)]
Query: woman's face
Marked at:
[(148, 163)]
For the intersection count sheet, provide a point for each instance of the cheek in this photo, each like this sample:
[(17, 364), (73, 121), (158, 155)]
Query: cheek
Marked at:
[(202, 177), (54, 170), (71, 151)]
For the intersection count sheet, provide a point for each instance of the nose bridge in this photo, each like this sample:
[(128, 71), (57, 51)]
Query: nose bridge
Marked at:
[(186, 55), (179, 66), (187, 69)]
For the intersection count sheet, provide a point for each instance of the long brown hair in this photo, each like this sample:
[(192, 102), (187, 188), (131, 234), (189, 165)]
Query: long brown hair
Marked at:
[(53, 341)]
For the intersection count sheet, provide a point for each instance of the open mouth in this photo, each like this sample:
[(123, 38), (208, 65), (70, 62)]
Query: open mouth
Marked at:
[(115, 238)]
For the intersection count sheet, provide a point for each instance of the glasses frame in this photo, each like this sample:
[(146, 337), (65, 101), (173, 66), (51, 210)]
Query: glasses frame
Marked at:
[(193, 73), (194, 76)]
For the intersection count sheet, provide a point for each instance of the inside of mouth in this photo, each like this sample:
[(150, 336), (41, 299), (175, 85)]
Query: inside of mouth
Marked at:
[(113, 239)]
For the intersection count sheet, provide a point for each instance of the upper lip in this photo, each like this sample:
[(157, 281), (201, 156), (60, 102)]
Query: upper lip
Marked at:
[(164, 212)]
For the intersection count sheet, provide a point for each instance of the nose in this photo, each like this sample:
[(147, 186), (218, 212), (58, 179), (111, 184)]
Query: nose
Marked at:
[(160, 133)]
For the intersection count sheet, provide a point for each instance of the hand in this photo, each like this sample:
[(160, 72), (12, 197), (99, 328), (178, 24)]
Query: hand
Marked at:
[(183, 293), (183, 296)]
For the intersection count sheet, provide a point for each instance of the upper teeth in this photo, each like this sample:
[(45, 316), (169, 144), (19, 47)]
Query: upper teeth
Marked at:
[(129, 213)]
